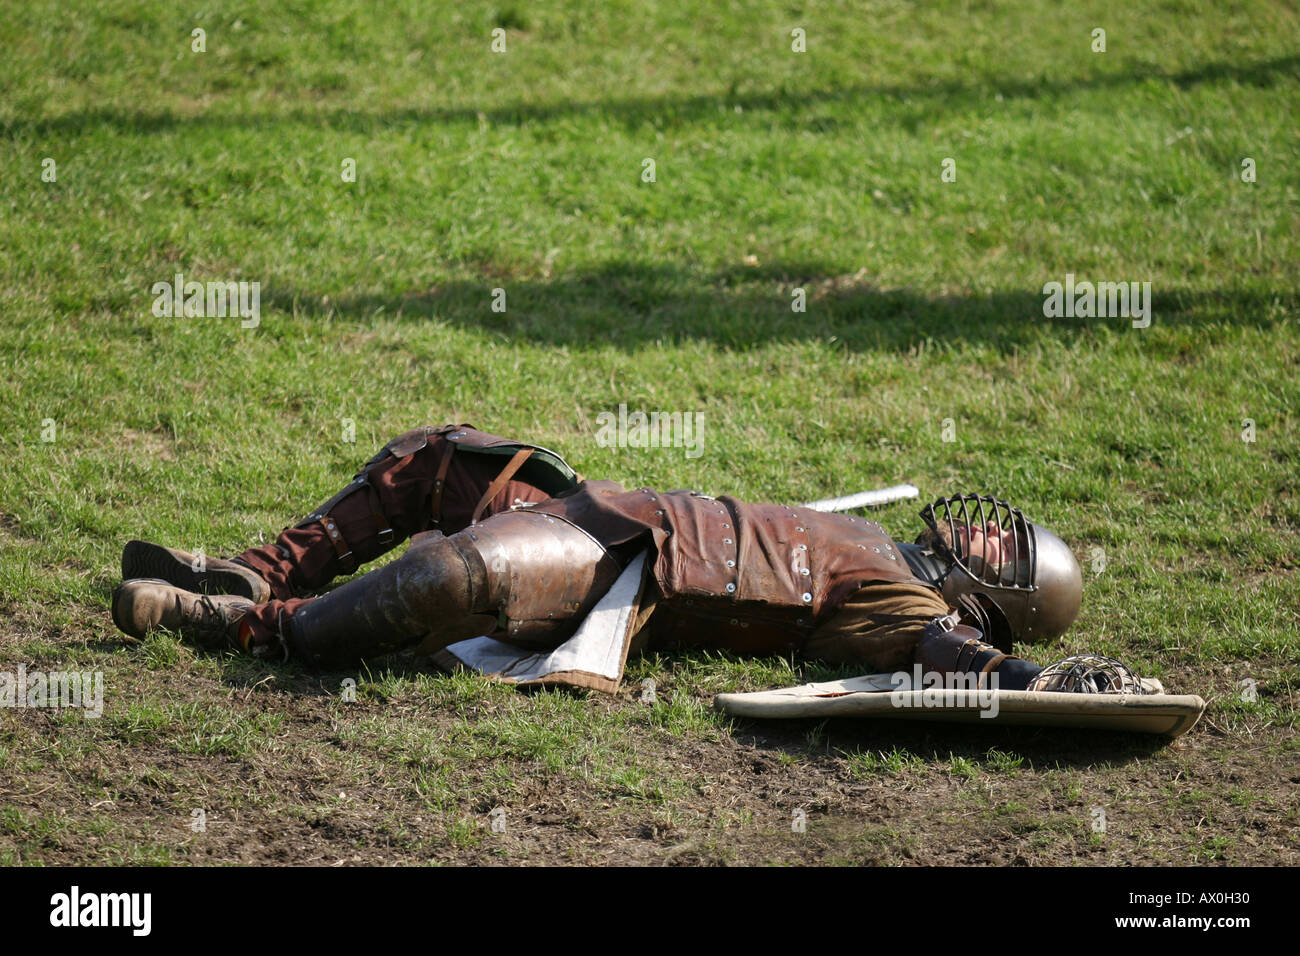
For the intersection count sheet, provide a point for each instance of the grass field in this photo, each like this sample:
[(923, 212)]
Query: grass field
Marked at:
[(1167, 456)]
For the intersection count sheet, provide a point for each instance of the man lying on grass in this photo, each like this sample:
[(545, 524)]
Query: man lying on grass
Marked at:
[(508, 541)]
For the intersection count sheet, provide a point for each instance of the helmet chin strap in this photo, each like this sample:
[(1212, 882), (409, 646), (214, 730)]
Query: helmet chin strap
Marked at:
[(973, 613)]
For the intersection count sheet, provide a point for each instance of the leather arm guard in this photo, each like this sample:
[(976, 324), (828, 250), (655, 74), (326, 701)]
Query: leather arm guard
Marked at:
[(947, 647)]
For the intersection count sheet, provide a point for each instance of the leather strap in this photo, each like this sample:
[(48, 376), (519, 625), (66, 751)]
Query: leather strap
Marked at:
[(967, 653), (336, 537), (440, 481), (993, 664), (500, 482), (383, 527)]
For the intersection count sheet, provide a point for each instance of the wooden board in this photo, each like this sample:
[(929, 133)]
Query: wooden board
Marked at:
[(879, 695)]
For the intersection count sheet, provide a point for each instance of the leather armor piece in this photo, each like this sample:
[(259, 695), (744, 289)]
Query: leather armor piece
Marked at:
[(545, 469), (529, 577), (948, 648), (443, 478), (753, 578), (543, 574), (438, 586), (406, 444)]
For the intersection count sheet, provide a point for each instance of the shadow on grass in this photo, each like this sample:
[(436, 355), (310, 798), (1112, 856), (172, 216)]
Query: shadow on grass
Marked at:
[(1043, 748), (627, 305), (657, 111)]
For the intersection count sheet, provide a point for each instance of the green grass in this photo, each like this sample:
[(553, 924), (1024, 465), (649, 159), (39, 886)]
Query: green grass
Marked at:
[(895, 763), (775, 171)]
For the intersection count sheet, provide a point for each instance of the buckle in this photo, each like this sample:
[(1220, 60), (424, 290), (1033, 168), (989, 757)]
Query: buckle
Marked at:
[(947, 621)]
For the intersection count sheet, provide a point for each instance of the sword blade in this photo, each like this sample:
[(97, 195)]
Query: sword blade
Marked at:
[(865, 499)]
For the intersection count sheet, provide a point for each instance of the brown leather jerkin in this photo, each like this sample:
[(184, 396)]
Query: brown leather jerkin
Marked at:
[(756, 578)]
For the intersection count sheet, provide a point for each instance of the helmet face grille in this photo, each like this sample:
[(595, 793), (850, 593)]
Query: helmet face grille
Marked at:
[(1088, 674), (951, 519)]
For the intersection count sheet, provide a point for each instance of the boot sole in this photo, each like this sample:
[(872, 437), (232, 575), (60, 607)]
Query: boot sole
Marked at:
[(117, 594), (142, 559), (116, 600)]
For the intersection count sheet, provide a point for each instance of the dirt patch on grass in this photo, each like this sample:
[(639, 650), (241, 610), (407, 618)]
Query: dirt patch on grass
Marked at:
[(158, 444), (217, 760)]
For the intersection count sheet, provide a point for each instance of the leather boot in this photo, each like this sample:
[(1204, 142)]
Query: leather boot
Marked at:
[(143, 559), (209, 620)]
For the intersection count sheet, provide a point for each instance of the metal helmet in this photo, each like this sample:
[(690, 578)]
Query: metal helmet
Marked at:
[(1032, 595)]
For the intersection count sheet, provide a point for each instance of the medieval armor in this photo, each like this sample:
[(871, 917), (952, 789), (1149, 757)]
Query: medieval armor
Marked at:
[(506, 542), (746, 577), (442, 478), (1033, 594), (949, 647), (1089, 674), (753, 578), (530, 577)]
